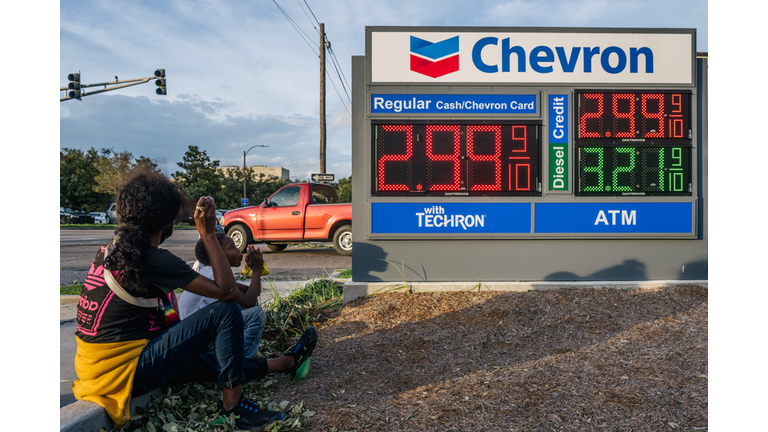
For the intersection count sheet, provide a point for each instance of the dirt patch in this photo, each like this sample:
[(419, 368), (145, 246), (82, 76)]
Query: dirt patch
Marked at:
[(614, 360)]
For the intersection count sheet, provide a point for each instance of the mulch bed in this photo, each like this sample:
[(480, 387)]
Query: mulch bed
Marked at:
[(589, 359)]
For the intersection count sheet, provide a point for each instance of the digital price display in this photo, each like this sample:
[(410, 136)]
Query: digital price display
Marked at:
[(633, 143), (634, 171), (464, 158), (653, 117)]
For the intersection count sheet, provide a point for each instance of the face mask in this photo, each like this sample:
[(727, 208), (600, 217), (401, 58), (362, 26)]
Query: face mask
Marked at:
[(166, 233)]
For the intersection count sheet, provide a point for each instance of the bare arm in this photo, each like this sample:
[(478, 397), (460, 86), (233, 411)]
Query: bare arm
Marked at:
[(249, 296), (223, 286)]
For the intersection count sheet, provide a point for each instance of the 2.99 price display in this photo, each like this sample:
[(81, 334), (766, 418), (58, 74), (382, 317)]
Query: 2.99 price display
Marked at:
[(462, 159), (654, 117)]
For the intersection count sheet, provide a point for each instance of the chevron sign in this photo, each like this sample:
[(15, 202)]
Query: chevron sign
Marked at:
[(434, 59)]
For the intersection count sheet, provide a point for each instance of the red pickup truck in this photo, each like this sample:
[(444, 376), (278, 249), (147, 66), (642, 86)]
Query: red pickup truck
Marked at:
[(296, 213)]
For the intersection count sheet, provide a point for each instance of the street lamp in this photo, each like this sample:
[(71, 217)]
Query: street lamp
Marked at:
[(245, 153)]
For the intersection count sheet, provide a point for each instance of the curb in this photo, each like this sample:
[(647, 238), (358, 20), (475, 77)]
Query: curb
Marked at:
[(354, 290), (86, 416)]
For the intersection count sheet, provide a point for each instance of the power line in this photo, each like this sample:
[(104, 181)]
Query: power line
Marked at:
[(339, 73), (303, 35), (305, 13), (334, 60), (337, 92), (310, 11)]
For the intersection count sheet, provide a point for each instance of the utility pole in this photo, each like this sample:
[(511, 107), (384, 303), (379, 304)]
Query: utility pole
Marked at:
[(322, 98)]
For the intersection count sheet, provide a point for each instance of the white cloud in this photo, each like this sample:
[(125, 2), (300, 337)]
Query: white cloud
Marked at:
[(239, 74)]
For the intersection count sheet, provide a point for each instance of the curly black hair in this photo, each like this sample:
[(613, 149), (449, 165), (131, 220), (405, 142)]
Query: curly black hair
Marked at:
[(201, 253), (147, 202)]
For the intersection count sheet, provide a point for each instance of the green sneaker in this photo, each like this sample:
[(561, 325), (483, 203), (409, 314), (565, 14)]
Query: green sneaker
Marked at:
[(302, 350), (303, 371)]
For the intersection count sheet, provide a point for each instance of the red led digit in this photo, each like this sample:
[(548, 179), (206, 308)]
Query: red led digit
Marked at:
[(527, 168), (453, 157), (408, 129), (591, 115), (628, 115), (659, 115), (676, 127), (495, 158), (677, 101), (520, 134)]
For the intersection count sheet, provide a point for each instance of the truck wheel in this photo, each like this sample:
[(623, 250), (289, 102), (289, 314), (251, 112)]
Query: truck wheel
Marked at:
[(274, 247), (241, 236), (342, 240)]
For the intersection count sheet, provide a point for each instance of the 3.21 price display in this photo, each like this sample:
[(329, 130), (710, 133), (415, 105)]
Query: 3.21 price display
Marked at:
[(609, 170), (456, 158)]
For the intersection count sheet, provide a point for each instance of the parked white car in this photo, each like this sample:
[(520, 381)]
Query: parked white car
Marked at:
[(99, 217), (111, 214)]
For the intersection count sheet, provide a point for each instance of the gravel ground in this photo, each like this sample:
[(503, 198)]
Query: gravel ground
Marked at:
[(570, 360)]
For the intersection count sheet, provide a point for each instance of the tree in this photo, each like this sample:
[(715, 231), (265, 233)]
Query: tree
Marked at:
[(257, 188), (344, 190), (200, 176), (78, 171), (112, 167)]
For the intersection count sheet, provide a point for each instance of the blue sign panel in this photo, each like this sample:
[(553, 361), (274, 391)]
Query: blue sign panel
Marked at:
[(558, 119), (453, 104), (243, 202), (614, 218), (450, 218)]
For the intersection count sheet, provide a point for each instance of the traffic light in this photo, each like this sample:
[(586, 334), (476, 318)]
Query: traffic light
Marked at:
[(160, 81), (74, 85)]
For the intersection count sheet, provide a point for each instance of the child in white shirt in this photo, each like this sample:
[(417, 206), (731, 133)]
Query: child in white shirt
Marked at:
[(254, 317)]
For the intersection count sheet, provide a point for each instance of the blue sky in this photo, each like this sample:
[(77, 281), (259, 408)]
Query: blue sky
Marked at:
[(240, 74)]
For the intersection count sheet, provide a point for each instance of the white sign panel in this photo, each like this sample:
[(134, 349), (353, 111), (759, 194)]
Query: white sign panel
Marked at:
[(533, 57)]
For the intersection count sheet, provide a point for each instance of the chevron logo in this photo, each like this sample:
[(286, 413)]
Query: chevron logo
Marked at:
[(434, 59)]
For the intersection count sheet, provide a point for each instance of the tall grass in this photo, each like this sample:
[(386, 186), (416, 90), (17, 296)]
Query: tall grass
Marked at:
[(288, 316)]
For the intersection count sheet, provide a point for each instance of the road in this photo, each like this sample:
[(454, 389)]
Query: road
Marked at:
[(78, 247)]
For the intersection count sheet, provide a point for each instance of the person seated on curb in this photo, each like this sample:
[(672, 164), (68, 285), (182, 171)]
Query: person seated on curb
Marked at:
[(125, 349), (254, 317)]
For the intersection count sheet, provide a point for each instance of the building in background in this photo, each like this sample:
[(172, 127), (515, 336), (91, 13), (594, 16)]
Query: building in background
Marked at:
[(274, 173)]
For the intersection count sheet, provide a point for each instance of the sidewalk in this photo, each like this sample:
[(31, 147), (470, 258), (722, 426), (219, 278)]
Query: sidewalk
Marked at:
[(84, 416)]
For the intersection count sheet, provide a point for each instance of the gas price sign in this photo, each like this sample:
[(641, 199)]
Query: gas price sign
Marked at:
[(633, 143), (463, 158)]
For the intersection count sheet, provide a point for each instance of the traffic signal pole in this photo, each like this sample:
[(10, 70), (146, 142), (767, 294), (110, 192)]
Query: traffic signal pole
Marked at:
[(76, 93)]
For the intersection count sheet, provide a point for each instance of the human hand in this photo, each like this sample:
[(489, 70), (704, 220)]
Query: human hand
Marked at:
[(205, 215), (253, 258)]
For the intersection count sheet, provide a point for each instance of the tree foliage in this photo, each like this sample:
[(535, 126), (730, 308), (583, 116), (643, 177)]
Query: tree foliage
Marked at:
[(89, 179), (257, 187), (78, 170), (200, 176), (344, 189)]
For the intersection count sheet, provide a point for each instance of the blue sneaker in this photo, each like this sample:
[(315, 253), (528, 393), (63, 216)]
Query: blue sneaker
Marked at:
[(301, 351), (249, 416)]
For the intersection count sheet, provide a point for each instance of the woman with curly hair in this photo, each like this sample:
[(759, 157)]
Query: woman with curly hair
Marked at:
[(125, 349)]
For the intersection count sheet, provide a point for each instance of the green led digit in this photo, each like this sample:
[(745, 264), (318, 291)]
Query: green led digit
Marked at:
[(657, 172), (677, 155), (620, 169), (675, 172), (595, 169)]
